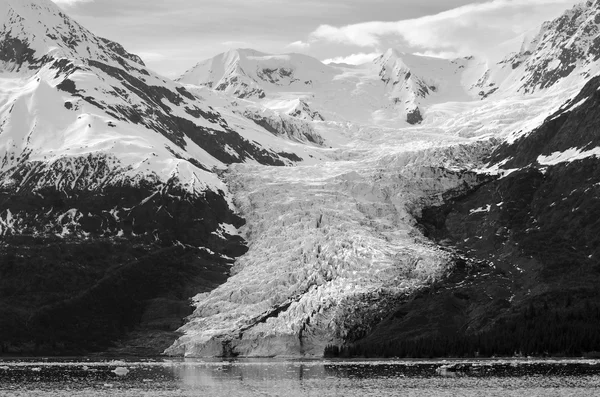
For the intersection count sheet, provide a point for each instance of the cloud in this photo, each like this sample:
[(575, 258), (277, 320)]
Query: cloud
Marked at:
[(466, 30), (438, 54), (151, 56), (354, 59), (362, 34), (188, 31), (235, 44), (298, 45), (71, 2)]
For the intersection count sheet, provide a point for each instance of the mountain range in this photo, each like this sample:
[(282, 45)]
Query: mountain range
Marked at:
[(303, 207)]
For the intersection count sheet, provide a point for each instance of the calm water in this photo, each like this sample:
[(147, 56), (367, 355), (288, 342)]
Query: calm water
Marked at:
[(299, 378)]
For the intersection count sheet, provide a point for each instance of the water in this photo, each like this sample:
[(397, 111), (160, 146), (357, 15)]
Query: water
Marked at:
[(522, 378)]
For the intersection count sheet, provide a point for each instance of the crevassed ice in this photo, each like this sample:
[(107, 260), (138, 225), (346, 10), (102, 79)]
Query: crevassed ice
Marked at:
[(332, 246)]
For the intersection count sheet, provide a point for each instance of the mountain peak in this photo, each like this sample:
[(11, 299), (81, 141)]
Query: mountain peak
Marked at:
[(245, 52), (566, 45), (246, 73), (393, 52), (30, 4), (34, 30)]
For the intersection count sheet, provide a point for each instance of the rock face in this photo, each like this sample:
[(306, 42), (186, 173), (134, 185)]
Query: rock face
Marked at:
[(570, 43), (282, 125), (565, 51)]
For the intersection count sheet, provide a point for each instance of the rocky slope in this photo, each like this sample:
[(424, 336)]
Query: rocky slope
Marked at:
[(565, 51), (528, 251)]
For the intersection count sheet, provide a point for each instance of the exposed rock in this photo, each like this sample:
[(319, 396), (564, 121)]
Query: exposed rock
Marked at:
[(118, 48), (304, 112), (414, 116), (279, 124)]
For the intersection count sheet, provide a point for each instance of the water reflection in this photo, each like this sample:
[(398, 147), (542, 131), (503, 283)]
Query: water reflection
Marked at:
[(323, 378), (320, 378), (287, 374), (300, 378)]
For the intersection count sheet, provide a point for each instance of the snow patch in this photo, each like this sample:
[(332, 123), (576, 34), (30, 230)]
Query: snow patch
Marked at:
[(569, 155), (487, 208)]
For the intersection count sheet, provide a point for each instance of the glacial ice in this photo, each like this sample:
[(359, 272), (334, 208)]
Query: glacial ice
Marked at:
[(331, 247)]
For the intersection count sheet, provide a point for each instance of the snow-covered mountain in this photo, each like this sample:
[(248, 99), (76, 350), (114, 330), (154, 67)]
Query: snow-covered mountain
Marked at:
[(246, 73), (415, 81), (37, 31), (391, 88), (96, 149), (565, 51), (73, 100), (336, 250), (292, 196)]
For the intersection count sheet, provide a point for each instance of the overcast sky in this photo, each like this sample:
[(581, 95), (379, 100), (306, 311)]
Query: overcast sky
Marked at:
[(171, 36)]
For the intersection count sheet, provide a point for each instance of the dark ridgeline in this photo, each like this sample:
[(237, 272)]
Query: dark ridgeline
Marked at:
[(75, 295), (562, 331)]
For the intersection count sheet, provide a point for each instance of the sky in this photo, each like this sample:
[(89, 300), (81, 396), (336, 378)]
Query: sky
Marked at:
[(172, 36)]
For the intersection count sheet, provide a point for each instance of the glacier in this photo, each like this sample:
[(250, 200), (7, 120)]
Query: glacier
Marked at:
[(331, 247), (334, 246)]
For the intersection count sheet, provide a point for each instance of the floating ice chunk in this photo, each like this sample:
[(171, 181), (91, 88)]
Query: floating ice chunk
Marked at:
[(487, 208), (226, 228), (121, 371)]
